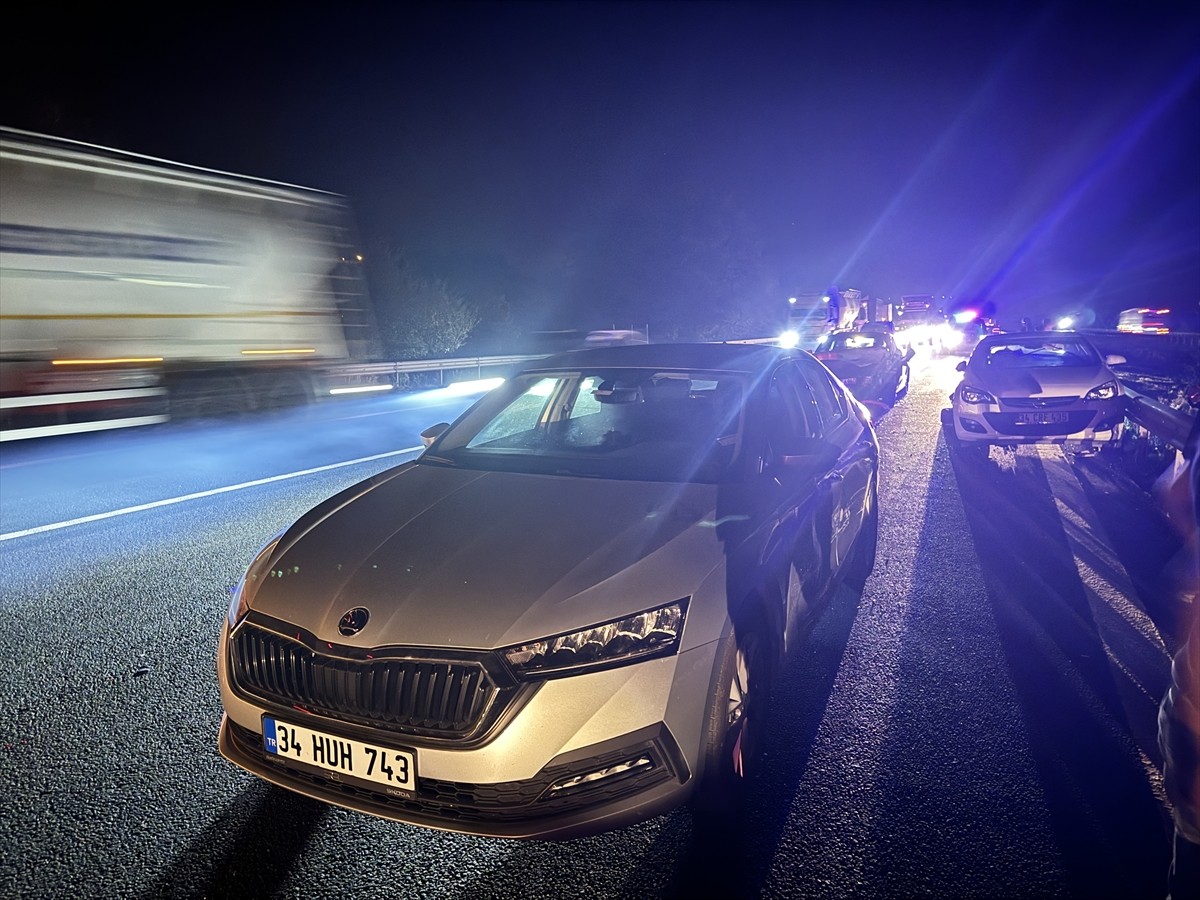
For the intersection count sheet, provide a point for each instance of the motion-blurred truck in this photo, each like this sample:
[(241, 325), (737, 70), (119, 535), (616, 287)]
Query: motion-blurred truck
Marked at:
[(135, 290)]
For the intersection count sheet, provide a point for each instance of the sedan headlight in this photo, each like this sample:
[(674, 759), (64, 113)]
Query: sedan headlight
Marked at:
[(974, 395), (239, 604), (1106, 391), (655, 632)]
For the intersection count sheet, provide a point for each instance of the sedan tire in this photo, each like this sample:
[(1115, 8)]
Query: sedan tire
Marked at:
[(902, 380), (968, 451), (862, 555), (737, 723)]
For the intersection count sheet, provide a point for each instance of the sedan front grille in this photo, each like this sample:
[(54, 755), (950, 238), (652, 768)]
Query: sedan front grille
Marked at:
[(447, 698)]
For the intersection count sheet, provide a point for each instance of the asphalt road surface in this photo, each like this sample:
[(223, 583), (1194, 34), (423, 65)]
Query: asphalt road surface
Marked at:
[(979, 722)]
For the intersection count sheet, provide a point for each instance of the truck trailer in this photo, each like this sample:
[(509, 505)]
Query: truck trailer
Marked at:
[(134, 290)]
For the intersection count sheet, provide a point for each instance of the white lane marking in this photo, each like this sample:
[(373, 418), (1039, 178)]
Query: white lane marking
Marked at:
[(199, 495)]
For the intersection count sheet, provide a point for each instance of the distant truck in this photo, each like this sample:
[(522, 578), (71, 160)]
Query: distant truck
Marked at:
[(812, 315), (920, 322), (135, 290)]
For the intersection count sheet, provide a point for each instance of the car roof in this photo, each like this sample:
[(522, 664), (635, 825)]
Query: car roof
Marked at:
[(710, 356)]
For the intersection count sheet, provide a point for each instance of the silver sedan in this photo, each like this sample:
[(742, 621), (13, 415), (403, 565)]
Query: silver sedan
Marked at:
[(565, 615)]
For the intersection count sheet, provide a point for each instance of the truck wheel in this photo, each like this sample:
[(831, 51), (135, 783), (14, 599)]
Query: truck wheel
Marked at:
[(282, 392), (199, 399)]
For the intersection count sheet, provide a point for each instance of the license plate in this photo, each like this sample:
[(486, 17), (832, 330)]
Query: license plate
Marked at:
[(1041, 418), (341, 757)]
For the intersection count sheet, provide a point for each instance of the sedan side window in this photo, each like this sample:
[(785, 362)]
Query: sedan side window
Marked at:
[(827, 400), (788, 416)]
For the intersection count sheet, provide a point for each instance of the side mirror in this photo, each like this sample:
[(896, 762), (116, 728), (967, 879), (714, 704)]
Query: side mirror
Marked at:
[(909, 354), (433, 432), (962, 366), (1115, 359)]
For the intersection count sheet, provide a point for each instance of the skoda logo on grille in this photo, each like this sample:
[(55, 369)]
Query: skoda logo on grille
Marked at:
[(354, 621)]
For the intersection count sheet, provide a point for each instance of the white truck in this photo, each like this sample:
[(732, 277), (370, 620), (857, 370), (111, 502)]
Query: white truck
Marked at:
[(135, 290), (810, 316), (921, 323)]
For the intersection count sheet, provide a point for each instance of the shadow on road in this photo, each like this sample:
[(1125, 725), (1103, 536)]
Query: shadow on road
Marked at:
[(733, 858), (248, 849), (1075, 665)]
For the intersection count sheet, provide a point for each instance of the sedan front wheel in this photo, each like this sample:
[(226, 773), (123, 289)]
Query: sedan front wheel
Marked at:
[(737, 724)]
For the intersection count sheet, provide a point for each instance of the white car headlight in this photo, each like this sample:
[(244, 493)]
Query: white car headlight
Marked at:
[(974, 395), (239, 604), (655, 632), (1106, 391)]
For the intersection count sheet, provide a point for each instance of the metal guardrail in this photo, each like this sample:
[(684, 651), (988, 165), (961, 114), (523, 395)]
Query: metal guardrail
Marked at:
[(1170, 424), (391, 370)]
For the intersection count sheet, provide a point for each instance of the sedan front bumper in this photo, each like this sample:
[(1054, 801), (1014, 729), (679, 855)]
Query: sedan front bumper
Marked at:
[(1024, 421), (580, 754)]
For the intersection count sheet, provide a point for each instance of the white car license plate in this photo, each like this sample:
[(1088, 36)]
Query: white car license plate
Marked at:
[(341, 756), (1041, 418)]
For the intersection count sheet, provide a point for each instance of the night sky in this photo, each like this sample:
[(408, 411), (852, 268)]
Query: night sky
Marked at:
[(602, 164)]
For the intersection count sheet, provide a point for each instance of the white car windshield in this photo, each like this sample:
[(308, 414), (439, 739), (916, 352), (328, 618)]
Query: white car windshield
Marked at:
[(1050, 352), (628, 424)]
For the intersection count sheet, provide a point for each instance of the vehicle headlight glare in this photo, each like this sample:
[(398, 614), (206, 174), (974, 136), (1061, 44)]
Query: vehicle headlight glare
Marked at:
[(974, 395), (1106, 391), (655, 632), (239, 604)]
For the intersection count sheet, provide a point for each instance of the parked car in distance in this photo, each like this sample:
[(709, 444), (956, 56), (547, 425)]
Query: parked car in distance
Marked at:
[(1036, 388), (870, 363), (884, 326), (960, 338), (566, 614)]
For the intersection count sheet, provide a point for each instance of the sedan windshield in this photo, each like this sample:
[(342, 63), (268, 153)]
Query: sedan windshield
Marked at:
[(629, 424), (1025, 354), (856, 341)]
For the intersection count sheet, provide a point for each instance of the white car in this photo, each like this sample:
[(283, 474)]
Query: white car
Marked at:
[(1036, 388)]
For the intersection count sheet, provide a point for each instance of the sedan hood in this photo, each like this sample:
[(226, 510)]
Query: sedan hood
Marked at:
[(456, 558), (1041, 381)]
